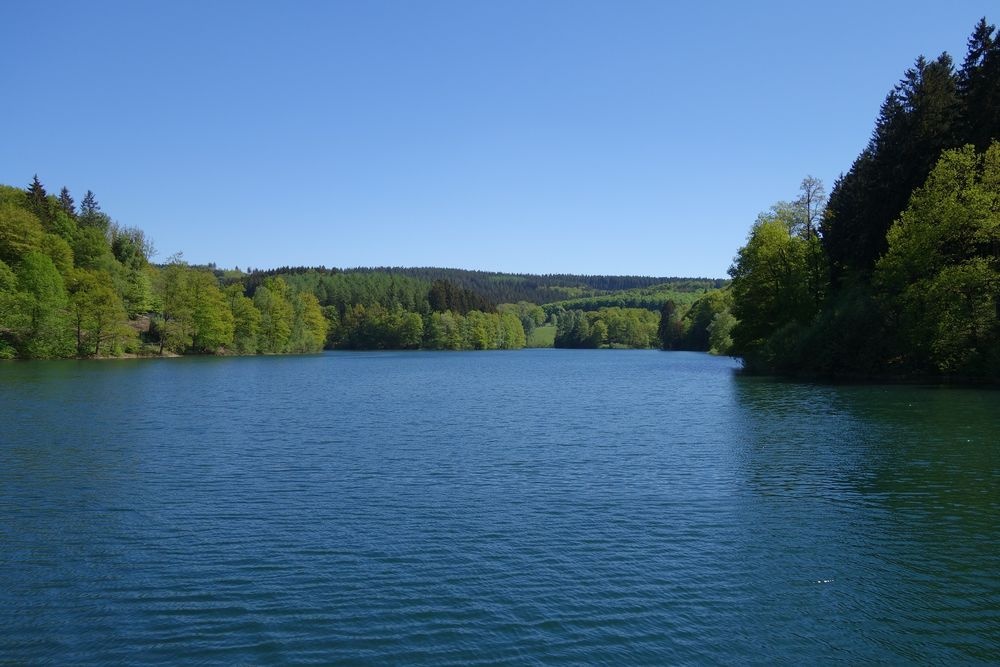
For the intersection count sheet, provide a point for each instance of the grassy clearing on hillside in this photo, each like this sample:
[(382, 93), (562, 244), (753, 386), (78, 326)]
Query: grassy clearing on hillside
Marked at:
[(543, 336)]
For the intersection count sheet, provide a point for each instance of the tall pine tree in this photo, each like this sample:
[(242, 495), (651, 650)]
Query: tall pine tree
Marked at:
[(918, 120), (66, 202), (979, 87), (38, 200)]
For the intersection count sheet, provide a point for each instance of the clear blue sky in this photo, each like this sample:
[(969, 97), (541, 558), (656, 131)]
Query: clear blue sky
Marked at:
[(564, 136)]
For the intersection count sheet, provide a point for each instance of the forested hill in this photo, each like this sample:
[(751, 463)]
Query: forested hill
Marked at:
[(900, 274), (498, 287), (76, 283)]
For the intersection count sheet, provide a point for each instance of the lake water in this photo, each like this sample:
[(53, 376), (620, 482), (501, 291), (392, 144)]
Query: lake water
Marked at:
[(539, 506)]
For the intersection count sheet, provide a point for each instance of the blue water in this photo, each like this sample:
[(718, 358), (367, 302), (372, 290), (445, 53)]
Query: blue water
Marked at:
[(543, 506)]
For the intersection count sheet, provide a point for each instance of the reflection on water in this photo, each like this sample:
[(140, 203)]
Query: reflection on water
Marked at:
[(903, 488)]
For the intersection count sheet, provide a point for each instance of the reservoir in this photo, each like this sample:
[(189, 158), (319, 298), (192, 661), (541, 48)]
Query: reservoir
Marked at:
[(539, 506)]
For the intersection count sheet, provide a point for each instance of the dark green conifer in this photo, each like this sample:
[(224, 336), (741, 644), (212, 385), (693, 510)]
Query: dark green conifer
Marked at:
[(919, 119), (66, 202), (979, 88)]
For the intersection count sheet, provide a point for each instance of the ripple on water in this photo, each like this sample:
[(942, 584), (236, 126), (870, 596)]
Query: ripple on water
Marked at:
[(627, 507)]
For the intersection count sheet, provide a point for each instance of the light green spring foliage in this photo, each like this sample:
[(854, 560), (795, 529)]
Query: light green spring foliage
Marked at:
[(79, 284), (376, 328), (276, 313), (197, 316), (778, 277), (212, 321), (309, 327), (941, 275), (67, 296), (20, 233), (43, 307), (612, 327), (720, 329), (530, 315), (246, 319), (97, 315)]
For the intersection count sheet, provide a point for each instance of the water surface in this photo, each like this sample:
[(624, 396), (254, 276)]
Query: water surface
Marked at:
[(521, 507)]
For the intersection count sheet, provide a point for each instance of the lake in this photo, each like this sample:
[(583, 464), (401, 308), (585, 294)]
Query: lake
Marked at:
[(538, 506)]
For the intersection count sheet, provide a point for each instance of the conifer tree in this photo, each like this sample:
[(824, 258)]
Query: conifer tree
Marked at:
[(89, 204), (66, 202), (979, 88), (38, 200), (919, 119)]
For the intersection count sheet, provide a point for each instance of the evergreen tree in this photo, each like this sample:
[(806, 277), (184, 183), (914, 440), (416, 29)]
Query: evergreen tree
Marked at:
[(89, 204), (66, 202), (36, 193), (91, 214), (979, 88), (918, 120), (38, 200)]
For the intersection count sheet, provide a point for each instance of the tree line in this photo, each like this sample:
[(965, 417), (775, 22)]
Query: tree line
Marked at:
[(899, 273), (75, 283), (540, 288)]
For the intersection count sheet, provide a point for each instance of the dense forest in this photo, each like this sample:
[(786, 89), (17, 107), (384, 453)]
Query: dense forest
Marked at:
[(506, 287), (75, 283), (899, 273)]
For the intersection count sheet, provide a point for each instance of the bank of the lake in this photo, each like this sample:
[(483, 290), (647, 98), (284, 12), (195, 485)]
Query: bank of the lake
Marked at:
[(536, 505)]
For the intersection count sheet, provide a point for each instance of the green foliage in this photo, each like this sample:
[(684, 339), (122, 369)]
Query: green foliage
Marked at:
[(38, 200), (130, 246), (772, 278), (43, 308), (940, 279), (212, 322), (670, 331), (97, 315), (11, 315), (979, 88), (91, 215), (91, 250), (910, 238), (698, 319), (246, 319), (720, 339), (135, 285), (543, 336), (276, 315), (20, 232), (530, 315), (66, 203), (174, 325), (650, 298), (917, 121), (344, 290), (445, 295), (377, 328), (309, 327), (542, 289), (58, 251), (614, 327)]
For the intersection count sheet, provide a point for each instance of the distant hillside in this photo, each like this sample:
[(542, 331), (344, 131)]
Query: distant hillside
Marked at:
[(650, 298), (514, 287)]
